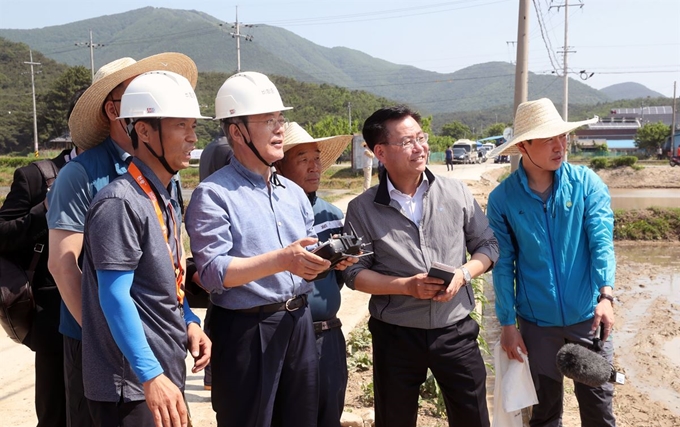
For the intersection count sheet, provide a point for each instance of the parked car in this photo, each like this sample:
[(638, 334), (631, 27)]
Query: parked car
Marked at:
[(460, 155), (502, 159)]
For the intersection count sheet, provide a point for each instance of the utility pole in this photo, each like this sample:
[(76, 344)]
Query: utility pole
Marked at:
[(349, 110), (521, 66), (35, 114), (237, 35), (91, 46), (565, 51), (673, 150)]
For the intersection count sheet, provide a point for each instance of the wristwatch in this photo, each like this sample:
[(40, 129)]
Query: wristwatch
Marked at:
[(606, 296), (466, 275)]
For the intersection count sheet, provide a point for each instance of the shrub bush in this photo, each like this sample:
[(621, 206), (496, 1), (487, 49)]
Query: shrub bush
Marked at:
[(623, 161), (599, 162)]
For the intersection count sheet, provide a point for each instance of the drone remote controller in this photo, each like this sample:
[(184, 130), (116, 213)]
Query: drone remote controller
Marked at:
[(336, 249)]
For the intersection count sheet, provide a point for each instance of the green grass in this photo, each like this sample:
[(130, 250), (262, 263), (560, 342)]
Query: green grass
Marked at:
[(647, 224), (343, 178)]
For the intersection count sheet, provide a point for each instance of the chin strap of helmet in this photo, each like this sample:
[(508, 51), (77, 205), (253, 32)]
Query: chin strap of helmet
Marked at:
[(273, 178), (161, 157)]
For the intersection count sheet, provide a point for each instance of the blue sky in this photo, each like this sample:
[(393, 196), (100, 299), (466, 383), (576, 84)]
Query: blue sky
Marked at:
[(618, 40)]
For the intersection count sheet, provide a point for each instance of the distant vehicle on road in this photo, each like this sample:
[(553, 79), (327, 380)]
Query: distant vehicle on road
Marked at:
[(460, 155), (470, 148), (502, 159)]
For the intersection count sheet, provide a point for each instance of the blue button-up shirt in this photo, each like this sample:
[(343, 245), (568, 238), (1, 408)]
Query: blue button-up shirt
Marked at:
[(235, 214)]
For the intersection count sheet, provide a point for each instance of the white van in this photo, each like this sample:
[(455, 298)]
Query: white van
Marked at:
[(471, 149)]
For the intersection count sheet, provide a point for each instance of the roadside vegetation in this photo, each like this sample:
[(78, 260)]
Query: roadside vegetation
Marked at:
[(614, 162)]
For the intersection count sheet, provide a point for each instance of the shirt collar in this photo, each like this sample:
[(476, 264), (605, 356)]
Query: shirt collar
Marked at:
[(391, 188), (153, 180)]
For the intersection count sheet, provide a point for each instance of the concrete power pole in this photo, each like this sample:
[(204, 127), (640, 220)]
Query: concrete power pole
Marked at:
[(673, 150), (565, 105), (565, 71), (521, 66), (91, 46), (565, 51), (349, 112), (237, 35), (35, 114)]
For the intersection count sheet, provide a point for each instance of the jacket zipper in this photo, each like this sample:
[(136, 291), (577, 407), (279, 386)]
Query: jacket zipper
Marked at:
[(552, 254)]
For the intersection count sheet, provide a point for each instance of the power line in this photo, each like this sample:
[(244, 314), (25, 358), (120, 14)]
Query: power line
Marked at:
[(544, 35), (374, 16)]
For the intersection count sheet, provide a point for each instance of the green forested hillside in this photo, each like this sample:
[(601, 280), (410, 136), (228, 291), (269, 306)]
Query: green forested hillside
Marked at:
[(16, 101), (55, 84), (276, 51)]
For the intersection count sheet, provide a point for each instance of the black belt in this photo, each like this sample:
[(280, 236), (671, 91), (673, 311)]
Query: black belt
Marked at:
[(325, 325), (292, 304)]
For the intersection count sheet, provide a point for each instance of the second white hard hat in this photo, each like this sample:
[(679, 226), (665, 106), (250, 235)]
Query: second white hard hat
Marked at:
[(247, 93)]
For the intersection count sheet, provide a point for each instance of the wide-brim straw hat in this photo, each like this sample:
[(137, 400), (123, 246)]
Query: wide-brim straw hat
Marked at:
[(330, 147), (88, 124), (535, 120)]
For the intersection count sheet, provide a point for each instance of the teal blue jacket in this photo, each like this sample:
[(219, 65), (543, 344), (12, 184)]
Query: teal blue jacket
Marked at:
[(554, 256)]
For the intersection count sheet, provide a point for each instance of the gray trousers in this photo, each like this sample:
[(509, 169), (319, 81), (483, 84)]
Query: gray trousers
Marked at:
[(543, 343)]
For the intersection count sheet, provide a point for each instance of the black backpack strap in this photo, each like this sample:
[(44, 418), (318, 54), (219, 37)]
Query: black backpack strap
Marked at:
[(37, 253), (48, 170)]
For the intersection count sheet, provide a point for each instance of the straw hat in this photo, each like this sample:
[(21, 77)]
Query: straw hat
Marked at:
[(537, 119), (331, 147), (88, 124)]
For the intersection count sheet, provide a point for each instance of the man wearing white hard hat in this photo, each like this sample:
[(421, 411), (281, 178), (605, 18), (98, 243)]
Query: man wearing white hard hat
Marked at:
[(94, 127), (304, 162), (249, 231), (555, 273), (137, 324)]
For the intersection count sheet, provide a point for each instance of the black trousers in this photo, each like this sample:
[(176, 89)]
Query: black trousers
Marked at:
[(401, 357), (330, 346), (121, 414), (264, 368), (77, 412), (50, 393)]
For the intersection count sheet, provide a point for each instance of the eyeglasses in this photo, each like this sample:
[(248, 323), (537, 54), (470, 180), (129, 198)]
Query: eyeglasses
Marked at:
[(409, 142), (273, 124)]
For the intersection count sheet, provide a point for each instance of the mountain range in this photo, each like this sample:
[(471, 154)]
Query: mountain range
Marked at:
[(143, 32)]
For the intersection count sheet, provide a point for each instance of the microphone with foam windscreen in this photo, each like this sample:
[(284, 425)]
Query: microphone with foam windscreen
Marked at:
[(585, 366)]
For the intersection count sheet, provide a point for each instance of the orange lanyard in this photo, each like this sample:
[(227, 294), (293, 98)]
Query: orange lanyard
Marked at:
[(179, 271)]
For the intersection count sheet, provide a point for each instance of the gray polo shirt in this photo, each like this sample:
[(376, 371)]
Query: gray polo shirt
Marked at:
[(452, 224), (122, 233)]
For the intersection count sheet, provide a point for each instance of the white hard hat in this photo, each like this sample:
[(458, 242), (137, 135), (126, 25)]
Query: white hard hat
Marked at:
[(245, 94), (160, 94)]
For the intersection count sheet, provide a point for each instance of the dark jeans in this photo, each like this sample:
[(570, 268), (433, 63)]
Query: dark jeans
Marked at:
[(401, 357), (264, 368), (121, 414), (77, 412), (543, 343), (330, 346)]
